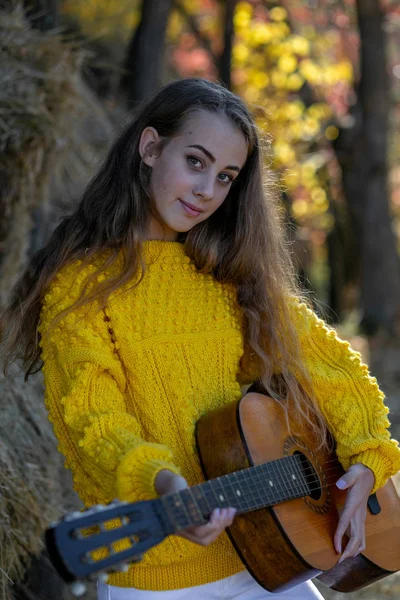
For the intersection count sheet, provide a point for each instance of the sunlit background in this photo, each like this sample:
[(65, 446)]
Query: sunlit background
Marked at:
[(322, 79)]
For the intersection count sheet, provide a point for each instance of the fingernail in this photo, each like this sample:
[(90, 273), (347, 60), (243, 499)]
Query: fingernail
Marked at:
[(341, 484)]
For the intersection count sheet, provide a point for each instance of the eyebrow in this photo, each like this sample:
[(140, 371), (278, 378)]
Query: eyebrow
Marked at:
[(212, 158)]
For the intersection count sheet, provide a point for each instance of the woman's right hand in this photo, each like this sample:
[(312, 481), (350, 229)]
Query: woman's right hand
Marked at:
[(168, 482)]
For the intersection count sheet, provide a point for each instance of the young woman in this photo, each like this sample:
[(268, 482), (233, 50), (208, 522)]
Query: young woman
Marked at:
[(166, 291)]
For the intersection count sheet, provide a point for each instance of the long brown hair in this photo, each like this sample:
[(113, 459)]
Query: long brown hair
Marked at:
[(241, 243)]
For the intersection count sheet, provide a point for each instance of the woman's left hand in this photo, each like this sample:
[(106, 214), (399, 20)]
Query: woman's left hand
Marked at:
[(358, 481)]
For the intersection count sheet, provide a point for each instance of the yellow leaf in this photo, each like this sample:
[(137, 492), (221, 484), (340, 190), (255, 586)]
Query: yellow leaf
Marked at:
[(240, 53), (318, 195), (278, 79), (299, 45), (299, 208), (284, 153), (261, 33), (309, 70), (278, 13), (287, 63), (252, 94), (261, 80), (294, 82), (294, 110), (331, 132)]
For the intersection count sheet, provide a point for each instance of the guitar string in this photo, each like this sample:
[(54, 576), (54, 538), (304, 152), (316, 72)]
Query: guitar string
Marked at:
[(257, 480), (256, 484), (259, 483), (310, 472), (258, 487)]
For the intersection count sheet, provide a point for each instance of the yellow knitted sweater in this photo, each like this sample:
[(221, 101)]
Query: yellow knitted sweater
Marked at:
[(126, 385)]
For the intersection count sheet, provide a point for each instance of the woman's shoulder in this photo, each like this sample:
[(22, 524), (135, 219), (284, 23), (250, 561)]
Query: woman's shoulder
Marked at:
[(73, 280)]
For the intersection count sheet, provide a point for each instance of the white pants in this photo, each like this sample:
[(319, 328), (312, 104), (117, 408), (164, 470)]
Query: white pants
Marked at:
[(240, 586)]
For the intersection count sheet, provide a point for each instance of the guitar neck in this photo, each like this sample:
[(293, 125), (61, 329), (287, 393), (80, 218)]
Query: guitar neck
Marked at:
[(247, 490)]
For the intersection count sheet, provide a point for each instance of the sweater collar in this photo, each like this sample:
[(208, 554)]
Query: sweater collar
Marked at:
[(153, 249)]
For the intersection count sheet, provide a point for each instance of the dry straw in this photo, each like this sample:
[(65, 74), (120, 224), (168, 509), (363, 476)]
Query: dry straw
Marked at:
[(50, 126), (51, 133)]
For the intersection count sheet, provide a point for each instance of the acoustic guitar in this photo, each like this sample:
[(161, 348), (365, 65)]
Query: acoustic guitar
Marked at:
[(283, 487)]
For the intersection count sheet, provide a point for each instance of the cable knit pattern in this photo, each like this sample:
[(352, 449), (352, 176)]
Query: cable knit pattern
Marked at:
[(350, 399), (126, 385)]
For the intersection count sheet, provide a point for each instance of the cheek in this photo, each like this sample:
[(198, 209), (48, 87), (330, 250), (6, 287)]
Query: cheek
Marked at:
[(169, 178)]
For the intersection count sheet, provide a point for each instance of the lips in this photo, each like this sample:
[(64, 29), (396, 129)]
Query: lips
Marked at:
[(190, 209)]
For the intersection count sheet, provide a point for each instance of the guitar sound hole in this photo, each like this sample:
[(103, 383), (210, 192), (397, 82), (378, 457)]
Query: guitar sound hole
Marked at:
[(311, 476)]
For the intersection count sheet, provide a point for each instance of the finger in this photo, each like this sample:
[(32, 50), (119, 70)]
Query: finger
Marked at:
[(220, 516), (341, 529), (206, 534), (351, 511), (351, 549), (347, 480), (356, 541), (219, 519)]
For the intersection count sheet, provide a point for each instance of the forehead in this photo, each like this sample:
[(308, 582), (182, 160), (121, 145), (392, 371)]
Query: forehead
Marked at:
[(218, 135)]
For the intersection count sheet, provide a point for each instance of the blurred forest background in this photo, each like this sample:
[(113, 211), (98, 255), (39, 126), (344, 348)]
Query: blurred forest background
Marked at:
[(322, 78)]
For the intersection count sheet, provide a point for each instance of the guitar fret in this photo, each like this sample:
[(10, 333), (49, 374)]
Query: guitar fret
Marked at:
[(234, 492), (191, 507), (273, 482), (259, 492), (292, 481), (172, 512), (182, 520), (287, 486), (223, 502), (240, 493), (251, 482), (205, 508), (269, 484)]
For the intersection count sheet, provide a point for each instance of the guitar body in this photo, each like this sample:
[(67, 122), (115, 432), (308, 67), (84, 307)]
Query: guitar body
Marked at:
[(291, 542)]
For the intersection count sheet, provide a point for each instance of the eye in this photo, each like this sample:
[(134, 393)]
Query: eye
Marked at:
[(194, 161), (228, 178)]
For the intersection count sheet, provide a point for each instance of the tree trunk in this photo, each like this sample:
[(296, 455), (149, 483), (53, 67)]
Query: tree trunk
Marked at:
[(362, 154), (144, 57), (380, 268), (226, 56), (361, 151)]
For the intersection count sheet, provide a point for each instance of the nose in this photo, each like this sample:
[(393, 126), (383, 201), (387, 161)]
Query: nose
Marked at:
[(204, 188)]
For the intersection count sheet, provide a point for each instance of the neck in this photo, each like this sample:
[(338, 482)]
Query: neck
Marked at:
[(247, 490), (158, 231)]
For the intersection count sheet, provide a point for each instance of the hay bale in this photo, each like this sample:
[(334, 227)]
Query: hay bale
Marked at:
[(52, 134), (51, 131), (34, 489)]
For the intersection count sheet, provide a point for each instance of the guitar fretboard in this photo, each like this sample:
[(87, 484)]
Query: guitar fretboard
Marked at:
[(247, 490)]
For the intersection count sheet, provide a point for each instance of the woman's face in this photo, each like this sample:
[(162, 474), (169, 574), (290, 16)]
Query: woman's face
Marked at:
[(193, 174)]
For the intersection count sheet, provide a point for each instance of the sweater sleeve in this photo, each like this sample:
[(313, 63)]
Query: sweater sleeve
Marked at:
[(88, 402), (350, 400)]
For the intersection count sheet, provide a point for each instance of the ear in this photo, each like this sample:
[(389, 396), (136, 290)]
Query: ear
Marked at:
[(148, 144)]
